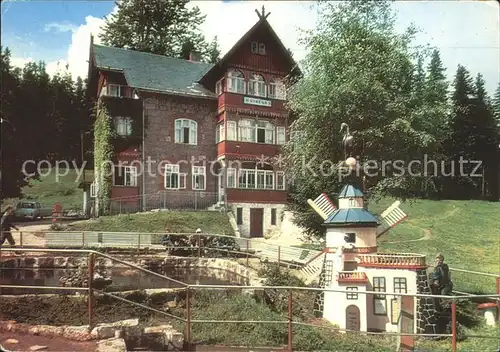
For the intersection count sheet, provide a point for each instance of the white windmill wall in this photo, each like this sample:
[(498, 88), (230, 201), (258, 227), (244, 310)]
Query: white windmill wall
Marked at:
[(365, 236), (383, 322), (336, 306)]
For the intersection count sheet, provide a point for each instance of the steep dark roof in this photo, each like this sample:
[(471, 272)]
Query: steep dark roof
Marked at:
[(262, 23), (353, 216), (349, 191), (154, 72)]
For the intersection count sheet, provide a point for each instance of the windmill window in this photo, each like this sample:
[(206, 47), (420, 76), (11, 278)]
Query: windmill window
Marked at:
[(350, 237)]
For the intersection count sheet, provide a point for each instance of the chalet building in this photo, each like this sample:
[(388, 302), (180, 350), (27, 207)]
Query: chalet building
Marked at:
[(206, 134)]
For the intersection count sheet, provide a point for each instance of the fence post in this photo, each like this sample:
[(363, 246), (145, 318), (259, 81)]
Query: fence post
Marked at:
[(83, 239), (21, 238), (498, 299), (454, 326), (139, 244), (188, 319), (199, 244), (90, 284), (279, 258), (290, 324), (248, 248)]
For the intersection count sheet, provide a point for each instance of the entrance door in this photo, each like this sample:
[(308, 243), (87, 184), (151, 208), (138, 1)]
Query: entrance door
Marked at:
[(256, 222), (352, 318)]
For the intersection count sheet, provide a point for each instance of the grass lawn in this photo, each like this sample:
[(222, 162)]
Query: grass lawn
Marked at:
[(466, 232), (52, 188), (176, 221)]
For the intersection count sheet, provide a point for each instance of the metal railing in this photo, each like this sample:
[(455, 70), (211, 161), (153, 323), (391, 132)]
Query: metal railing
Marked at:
[(186, 200), (188, 321), (191, 244)]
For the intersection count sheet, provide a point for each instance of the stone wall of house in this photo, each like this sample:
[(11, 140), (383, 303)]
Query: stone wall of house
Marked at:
[(268, 229), (161, 111), (426, 314)]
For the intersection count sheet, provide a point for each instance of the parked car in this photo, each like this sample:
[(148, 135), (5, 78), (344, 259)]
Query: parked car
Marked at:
[(31, 210)]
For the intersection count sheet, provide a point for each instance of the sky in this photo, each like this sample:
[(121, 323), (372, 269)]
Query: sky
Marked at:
[(58, 32)]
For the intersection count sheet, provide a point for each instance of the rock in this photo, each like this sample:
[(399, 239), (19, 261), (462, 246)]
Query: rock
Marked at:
[(111, 345), (11, 341), (38, 348)]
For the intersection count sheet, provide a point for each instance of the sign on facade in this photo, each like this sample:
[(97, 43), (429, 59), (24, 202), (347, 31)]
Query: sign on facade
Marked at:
[(256, 101), (352, 316)]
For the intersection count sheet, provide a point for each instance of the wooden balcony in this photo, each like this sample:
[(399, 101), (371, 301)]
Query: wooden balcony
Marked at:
[(245, 150), (352, 277), (396, 260)]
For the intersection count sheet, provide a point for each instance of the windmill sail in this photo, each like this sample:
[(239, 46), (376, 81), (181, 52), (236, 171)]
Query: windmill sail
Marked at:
[(322, 205), (390, 218)]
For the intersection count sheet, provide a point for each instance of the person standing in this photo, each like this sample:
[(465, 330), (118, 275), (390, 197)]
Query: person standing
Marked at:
[(441, 279), (5, 227)]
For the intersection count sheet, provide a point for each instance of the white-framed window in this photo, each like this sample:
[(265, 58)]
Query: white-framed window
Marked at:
[(265, 179), (218, 87), (174, 179), (219, 133), (125, 176), (262, 48), (246, 130), (186, 131), (280, 180), (115, 90), (123, 126), (246, 178), (351, 295), (199, 178), (280, 135), (236, 82), (231, 178), (255, 47), (231, 130), (257, 86), (277, 89), (93, 190), (400, 285), (265, 132)]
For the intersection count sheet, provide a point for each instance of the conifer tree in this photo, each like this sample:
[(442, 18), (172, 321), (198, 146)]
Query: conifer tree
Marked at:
[(157, 26)]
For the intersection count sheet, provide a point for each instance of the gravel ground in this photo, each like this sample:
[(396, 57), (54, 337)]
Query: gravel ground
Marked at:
[(59, 344)]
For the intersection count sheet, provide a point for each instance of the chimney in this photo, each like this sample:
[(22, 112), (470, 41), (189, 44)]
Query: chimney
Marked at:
[(194, 56)]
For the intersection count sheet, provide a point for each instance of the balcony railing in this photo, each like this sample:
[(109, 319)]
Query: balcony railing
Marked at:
[(352, 276), (392, 260)]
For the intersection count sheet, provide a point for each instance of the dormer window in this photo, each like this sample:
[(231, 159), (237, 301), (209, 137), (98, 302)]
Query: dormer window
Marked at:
[(255, 48), (262, 48), (258, 48), (236, 82), (257, 86)]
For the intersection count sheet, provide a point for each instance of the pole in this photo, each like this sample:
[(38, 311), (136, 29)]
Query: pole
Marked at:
[(91, 292), (498, 300), (279, 258), (290, 323), (81, 146), (454, 326), (188, 320)]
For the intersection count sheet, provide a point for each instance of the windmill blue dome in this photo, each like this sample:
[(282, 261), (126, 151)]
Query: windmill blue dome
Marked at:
[(351, 217), (349, 191)]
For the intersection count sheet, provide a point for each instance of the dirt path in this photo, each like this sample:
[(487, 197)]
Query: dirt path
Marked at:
[(25, 341), (425, 237)]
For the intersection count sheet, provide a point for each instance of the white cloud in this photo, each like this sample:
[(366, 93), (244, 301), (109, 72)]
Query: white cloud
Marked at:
[(230, 20), (59, 27)]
